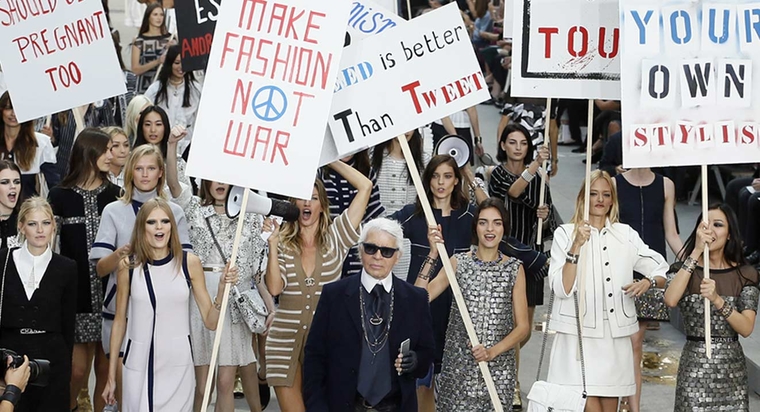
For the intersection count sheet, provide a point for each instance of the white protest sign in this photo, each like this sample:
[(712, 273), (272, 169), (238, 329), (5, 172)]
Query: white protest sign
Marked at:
[(367, 18), (566, 48), (509, 19), (267, 93), (691, 84), (57, 54), (396, 81)]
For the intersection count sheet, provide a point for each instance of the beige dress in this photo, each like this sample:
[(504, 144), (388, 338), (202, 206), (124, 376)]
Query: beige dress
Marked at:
[(299, 297)]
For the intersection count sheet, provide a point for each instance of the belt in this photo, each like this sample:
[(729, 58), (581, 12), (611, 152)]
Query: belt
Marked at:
[(23, 331), (714, 339), (218, 269)]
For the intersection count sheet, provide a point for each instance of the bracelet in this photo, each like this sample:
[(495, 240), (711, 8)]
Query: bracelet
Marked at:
[(726, 310), (572, 259), (217, 306), (689, 264), (478, 140), (423, 277), (12, 394), (427, 260), (528, 176)]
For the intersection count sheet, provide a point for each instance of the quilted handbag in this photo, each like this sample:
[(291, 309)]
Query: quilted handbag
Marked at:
[(545, 396)]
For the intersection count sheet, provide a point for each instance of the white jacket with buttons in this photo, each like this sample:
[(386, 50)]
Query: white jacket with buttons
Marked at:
[(612, 255)]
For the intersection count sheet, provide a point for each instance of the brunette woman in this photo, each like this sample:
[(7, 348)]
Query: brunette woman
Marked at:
[(647, 203), (606, 290), (39, 306), (517, 182), (453, 213), (155, 286), (213, 234), (78, 203), (149, 46), (10, 189), (395, 184), (31, 151), (144, 180), (304, 256), (732, 290), (340, 193), (493, 287), (178, 93), (120, 149)]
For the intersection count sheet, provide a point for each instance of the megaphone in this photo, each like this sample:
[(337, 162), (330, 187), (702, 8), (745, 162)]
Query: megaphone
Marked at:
[(456, 147), (259, 204)]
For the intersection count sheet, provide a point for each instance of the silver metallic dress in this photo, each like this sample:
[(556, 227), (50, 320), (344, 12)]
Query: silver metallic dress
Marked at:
[(487, 290), (719, 383)]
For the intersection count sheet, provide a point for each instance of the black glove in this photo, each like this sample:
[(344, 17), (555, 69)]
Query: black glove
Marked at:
[(408, 362)]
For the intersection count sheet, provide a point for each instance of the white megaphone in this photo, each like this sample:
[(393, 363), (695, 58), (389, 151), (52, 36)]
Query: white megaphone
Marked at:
[(456, 147), (259, 204)]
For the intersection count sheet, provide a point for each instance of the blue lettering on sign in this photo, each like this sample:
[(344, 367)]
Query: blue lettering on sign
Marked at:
[(352, 75), (711, 27), (641, 24), (674, 28), (368, 21), (749, 25)]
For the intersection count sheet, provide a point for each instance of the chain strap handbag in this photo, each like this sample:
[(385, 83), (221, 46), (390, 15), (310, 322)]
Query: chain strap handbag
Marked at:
[(2, 287), (551, 397), (247, 305)]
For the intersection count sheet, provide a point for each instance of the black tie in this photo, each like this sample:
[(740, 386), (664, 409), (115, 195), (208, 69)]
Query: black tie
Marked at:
[(375, 371), (378, 293)]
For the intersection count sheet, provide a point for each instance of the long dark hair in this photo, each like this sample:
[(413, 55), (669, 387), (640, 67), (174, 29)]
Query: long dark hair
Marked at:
[(415, 145), (25, 146), (83, 163), (501, 154), (457, 195), (165, 74), (140, 139), (490, 203), (145, 26), (732, 251)]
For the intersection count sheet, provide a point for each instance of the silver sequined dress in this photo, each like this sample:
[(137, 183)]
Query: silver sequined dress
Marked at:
[(487, 290), (719, 383)]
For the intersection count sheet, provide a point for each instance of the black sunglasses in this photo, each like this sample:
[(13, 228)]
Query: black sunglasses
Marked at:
[(386, 252)]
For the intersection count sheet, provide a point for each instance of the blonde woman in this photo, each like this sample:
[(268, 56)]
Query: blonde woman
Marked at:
[(613, 252), (304, 257), (155, 284), (120, 148), (39, 296), (134, 110), (144, 180)]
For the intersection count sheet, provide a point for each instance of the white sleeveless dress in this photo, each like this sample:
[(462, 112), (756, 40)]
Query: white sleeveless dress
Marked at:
[(158, 372)]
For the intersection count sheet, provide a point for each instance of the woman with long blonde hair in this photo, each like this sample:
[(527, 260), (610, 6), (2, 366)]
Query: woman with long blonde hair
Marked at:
[(304, 256), (39, 299), (606, 288), (143, 180), (155, 284)]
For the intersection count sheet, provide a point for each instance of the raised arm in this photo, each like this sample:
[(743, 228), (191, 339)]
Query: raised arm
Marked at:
[(363, 186), (677, 286), (441, 282), (274, 276), (172, 174), (669, 218), (518, 187)]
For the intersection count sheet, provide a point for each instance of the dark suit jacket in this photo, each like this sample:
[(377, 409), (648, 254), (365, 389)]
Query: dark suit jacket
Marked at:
[(334, 346)]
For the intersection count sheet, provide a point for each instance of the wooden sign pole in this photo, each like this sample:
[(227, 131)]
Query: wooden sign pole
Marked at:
[(545, 175), (706, 265), (581, 272), (449, 270), (225, 301)]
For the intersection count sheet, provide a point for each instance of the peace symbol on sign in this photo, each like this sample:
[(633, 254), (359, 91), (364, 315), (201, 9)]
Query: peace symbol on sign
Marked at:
[(269, 103)]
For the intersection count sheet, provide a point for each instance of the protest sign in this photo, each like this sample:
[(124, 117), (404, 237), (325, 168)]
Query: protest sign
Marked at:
[(267, 93), (691, 82), (509, 19), (196, 20), (566, 48), (409, 76), (367, 18), (57, 55)]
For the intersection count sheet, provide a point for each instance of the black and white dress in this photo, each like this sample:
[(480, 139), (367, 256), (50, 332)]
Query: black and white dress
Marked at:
[(77, 214)]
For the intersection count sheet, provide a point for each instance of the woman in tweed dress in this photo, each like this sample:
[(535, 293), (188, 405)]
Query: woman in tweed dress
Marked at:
[(307, 255)]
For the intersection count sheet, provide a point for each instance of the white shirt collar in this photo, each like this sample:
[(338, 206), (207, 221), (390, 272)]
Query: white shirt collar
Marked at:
[(369, 282), (26, 264)]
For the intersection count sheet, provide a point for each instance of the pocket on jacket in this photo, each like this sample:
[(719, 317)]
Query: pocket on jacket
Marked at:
[(628, 305), (136, 356)]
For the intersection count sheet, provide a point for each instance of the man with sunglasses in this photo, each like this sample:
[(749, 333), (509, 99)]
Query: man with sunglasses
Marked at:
[(371, 336)]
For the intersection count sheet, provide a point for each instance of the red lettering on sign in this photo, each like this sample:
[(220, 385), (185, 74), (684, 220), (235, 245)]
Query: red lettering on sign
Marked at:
[(571, 41), (298, 106), (66, 75), (450, 92), (640, 137), (548, 32)]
